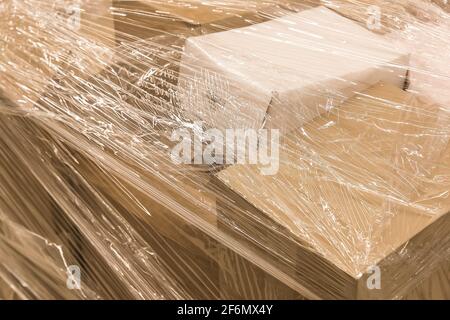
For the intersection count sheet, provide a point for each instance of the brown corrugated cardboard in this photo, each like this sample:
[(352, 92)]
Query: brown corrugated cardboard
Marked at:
[(352, 194), (33, 56), (284, 72), (144, 19)]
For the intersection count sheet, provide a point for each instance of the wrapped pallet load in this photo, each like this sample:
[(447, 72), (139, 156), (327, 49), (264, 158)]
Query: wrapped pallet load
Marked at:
[(187, 149)]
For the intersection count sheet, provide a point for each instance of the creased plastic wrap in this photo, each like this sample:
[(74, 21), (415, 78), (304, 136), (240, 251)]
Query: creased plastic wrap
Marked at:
[(281, 149)]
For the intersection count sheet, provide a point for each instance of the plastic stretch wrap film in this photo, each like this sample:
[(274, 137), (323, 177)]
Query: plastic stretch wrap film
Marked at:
[(281, 149)]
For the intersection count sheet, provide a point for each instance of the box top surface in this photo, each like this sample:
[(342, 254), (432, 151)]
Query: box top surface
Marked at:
[(199, 12), (358, 183), (295, 50)]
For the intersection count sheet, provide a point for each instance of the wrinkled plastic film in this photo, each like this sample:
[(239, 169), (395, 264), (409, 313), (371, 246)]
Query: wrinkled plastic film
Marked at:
[(96, 100)]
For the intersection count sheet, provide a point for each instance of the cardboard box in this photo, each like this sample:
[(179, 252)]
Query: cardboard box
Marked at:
[(435, 287), (145, 19), (379, 16), (385, 16), (185, 253), (45, 41), (364, 186), (282, 73), (444, 4), (239, 279)]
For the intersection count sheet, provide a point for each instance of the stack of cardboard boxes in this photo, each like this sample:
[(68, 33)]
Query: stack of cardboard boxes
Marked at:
[(349, 200), (362, 185)]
